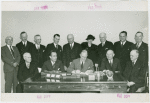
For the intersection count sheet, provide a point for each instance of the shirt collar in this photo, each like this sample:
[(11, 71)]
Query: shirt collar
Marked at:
[(72, 44), (24, 42), (52, 62), (9, 46), (134, 61), (123, 42), (139, 44), (55, 44)]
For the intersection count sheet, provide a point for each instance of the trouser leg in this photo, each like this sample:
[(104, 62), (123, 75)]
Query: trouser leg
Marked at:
[(8, 81), (15, 81)]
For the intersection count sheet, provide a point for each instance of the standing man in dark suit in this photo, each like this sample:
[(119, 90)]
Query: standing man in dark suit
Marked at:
[(91, 48), (112, 64), (11, 58), (53, 63), (141, 47), (122, 49), (24, 45), (37, 51), (135, 72), (103, 47), (71, 51), (54, 46)]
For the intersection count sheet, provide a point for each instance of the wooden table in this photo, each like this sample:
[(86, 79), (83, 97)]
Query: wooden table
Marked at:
[(74, 85)]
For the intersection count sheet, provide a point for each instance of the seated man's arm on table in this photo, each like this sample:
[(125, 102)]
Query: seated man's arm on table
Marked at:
[(62, 67), (91, 67), (44, 67), (71, 67), (102, 68), (34, 74), (118, 68)]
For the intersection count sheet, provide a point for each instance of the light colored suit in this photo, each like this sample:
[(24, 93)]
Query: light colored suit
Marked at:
[(76, 65), (9, 70)]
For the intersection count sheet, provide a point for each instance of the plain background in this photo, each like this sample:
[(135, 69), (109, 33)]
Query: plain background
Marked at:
[(78, 23)]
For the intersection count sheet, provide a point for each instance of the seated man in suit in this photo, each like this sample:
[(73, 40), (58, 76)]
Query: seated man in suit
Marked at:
[(135, 72), (82, 64), (28, 70), (112, 64), (53, 63)]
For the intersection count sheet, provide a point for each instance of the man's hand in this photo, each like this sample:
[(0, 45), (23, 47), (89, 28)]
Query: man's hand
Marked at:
[(130, 84), (89, 71), (28, 80), (65, 68), (15, 64), (76, 71)]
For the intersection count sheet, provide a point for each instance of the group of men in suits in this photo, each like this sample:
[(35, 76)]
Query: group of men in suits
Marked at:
[(73, 57)]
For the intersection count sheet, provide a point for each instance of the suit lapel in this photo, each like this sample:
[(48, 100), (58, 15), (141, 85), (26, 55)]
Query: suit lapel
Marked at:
[(9, 51), (108, 65)]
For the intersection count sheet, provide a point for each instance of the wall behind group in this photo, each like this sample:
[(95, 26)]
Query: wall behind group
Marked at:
[(78, 23)]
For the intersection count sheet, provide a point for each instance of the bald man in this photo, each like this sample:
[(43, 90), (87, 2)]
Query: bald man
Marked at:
[(141, 47), (24, 45), (71, 51), (112, 64), (82, 64), (135, 72), (11, 58), (28, 70), (103, 47)]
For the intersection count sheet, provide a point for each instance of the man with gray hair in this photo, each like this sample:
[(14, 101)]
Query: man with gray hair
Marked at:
[(27, 70), (71, 51), (135, 72), (82, 64), (11, 58), (37, 51), (103, 47), (112, 64)]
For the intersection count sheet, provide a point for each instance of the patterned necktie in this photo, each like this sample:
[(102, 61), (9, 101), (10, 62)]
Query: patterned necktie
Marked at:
[(121, 44), (24, 44), (12, 52), (53, 64), (81, 65), (132, 63), (137, 45), (110, 63)]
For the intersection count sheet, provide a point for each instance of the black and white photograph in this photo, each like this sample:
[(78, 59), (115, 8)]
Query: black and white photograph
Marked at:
[(61, 51)]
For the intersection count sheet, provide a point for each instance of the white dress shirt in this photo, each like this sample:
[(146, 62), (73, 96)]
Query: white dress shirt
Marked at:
[(72, 45), (24, 43)]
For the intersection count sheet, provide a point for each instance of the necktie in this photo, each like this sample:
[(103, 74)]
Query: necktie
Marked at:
[(110, 63), (28, 65), (38, 47), (81, 65), (12, 52), (56, 46), (53, 64), (132, 63), (71, 46), (121, 44), (137, 45), (102, 44), (24, 44)]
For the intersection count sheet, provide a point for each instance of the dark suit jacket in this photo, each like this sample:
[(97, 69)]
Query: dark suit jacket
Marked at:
[(70, 54), (135, 74), (102, 50), (122, 53), (8, 59), (48, 66), (38, 55), (25, 73), (52, 47), (143, 50), (23, 49), (92, 51), (76, 65), (105, 65)]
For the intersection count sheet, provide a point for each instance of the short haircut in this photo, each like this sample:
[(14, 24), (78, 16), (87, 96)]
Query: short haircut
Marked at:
[(7, 38), (36, 35), (56, 35), (22, 33), (110, 50), (139, 32), (52, 51), (84, 50), (25, 54), (123, 32)]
